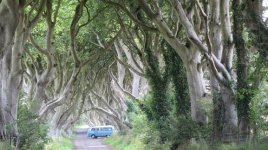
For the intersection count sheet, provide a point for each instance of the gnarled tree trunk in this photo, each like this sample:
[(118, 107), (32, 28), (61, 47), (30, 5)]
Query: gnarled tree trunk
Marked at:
[(11, 35), (196, 84)]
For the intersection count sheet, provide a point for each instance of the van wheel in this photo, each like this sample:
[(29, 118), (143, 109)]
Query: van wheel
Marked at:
[(93, 136)]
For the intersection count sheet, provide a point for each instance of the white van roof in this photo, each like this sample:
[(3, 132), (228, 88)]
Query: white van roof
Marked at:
[(103, 126)]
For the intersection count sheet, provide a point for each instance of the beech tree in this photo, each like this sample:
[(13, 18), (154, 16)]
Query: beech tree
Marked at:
[(16, 26), (209, 41), (190, 49)]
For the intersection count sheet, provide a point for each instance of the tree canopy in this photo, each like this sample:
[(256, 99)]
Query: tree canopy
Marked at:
[(201, 62)]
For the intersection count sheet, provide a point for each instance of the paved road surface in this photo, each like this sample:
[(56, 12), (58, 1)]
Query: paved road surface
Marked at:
[(81, 142)]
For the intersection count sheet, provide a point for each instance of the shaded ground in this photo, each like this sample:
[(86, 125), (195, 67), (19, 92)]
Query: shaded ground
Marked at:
[(82, 142)]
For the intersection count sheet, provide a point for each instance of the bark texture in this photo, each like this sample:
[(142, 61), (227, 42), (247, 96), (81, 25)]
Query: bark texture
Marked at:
[(11, 26), (244, 93)]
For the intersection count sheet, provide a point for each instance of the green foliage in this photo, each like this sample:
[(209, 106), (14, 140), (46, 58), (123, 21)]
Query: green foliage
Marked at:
[(171, 130), (167, 106), (132, 106), (60, 144), (179, 86), (33, 132), (259, 111), (147, 132), (177, 130), (144, 134), (181, 130)]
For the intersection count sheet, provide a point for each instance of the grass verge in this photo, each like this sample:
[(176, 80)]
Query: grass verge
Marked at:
[(125, 143), (128, 142), (64, 143), (5, 146), (242, 146)]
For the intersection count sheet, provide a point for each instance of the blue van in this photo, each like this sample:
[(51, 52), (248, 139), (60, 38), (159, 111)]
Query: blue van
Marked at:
[(100, 131)]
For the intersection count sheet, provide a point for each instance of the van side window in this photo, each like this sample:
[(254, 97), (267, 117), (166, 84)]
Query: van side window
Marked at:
[(93, 129), (97, 129), (107, 129)]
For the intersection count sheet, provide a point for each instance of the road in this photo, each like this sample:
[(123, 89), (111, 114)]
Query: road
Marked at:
[(82, 142)]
